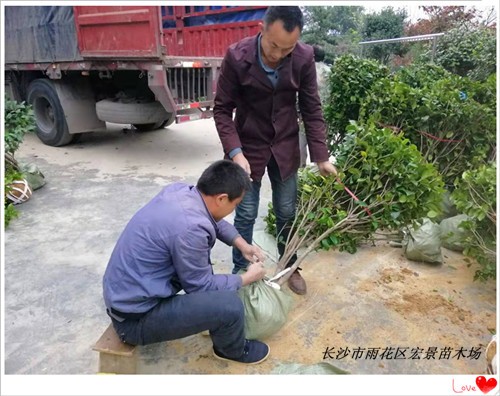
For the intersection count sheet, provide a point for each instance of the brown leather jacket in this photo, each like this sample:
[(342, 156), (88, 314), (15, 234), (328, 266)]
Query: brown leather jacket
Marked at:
[(266, 117)]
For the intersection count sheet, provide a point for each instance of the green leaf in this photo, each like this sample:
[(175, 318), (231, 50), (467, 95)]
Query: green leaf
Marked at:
[(432, 214), (307, 188), (334, 240)]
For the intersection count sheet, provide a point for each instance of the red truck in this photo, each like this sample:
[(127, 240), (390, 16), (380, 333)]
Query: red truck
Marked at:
[(148, 66)]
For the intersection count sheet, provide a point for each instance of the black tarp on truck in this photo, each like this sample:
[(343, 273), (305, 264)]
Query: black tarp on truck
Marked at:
[(40, 34)]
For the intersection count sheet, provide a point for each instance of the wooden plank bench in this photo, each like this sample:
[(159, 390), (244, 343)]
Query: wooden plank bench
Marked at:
[(115, 356)]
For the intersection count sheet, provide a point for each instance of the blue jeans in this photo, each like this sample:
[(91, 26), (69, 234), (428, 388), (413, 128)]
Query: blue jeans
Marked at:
[(180, 316), (284, 204)]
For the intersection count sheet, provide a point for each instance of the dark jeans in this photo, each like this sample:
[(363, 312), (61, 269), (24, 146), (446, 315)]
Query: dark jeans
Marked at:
[(284, 204), (180, 316)]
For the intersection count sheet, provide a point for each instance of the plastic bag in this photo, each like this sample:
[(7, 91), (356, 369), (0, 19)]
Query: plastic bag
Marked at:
[(452, 235), (448, 208), (423, 243), (266, 309), (33, 175)]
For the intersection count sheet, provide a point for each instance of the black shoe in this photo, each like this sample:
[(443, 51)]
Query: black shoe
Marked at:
[(253, 353)]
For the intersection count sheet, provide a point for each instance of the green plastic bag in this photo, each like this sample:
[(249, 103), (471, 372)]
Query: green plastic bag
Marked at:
[(266, 309), (423, 243), (33, 175), (448, 208), (452, 235)]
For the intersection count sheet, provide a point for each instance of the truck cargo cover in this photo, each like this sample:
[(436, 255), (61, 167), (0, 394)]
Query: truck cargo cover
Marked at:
[(40, 34)]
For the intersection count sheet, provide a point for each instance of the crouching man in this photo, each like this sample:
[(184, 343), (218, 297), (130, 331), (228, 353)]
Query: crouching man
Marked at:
[(166, 248)]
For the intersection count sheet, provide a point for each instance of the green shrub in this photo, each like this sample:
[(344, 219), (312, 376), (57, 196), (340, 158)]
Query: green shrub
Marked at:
[(467, 51), (441, 117), (394, 184), (9, 214), (19, 120), (475, 196), (350, 80), (420, 75), (10, 210)]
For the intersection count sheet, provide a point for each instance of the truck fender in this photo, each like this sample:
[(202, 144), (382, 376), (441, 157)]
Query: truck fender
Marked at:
[(157, 82), (78, 103)]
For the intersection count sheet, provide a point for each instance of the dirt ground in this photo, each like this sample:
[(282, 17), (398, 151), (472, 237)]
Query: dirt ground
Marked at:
[(57, 250), (374, 299)]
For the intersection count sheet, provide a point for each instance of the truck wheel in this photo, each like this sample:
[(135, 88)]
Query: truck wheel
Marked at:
[(157, 125), (51, 126), (131, 112)]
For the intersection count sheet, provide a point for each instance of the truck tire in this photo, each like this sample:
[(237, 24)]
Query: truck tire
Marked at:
[(156, 125), (51, 126), (131, 112)]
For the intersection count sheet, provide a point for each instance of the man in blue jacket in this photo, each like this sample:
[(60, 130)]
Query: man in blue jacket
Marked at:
[(261, 77), (165, 248)]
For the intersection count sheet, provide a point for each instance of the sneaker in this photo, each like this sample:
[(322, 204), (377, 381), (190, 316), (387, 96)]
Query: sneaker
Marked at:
[(253, 353)]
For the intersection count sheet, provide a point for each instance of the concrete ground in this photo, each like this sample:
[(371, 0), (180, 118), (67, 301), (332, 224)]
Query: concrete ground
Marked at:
[(57, 250)]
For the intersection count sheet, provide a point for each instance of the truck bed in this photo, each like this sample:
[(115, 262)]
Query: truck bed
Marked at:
[(42, 34)]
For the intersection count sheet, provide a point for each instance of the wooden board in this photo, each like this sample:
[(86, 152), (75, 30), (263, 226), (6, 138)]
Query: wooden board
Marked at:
[(111, 343)]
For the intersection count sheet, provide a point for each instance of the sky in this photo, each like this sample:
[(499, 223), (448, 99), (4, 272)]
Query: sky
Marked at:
[(415, 13)]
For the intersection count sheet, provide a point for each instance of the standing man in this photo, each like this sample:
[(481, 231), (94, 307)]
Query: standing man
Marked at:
[(165, 248), (260, 77)]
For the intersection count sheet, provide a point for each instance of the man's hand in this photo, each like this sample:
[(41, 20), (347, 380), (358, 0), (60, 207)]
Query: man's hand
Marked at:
[(326, 168), (255, 272), (242, 161), (251, 252)]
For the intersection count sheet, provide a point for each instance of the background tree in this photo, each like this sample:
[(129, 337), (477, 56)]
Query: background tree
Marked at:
[(442, 19), (446, 18), (333, 28), (386, 24)]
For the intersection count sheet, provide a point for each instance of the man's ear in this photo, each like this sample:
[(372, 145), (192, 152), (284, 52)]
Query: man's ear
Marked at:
[(262, 28), (221, 199)]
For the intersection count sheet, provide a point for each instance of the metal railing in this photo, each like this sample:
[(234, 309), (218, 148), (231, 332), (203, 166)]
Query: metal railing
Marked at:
[(423, 37)]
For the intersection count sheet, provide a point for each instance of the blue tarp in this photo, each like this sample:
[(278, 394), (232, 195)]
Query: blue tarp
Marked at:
[(226, 17), (40, 34)]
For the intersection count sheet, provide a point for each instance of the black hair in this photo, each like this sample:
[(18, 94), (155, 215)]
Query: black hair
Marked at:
[(319, 53), (224, 177), (290, 16)]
